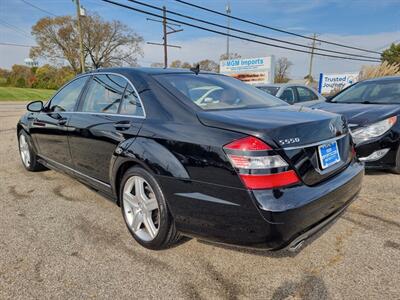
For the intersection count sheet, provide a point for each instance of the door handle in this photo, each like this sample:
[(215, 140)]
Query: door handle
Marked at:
[(122, 125)]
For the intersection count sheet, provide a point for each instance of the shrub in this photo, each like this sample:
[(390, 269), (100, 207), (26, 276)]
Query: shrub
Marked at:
[(384, 69)]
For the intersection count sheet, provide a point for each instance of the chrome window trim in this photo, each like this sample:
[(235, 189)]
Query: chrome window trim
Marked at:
[(75, 171), (100, 113), (316, 143)]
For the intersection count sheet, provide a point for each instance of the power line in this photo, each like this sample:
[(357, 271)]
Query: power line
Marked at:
[(16, 45), (15, 28), (165, 44), (276, 29), (228, 28), (231, 35), (39, 8)]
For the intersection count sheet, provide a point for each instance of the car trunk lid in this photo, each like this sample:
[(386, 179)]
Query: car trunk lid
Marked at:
[(294, 132)]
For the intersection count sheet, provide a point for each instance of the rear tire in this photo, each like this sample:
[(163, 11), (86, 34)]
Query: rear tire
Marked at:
[(396, 169), (28, 156), (145, 210)]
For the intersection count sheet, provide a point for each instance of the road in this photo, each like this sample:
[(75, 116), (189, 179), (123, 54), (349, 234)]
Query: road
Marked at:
[(59, 239)]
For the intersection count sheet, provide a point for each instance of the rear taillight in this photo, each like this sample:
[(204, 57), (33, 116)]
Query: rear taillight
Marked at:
[(258, 166)]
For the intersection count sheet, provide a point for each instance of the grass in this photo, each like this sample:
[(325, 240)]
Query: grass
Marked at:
[(24, 94)]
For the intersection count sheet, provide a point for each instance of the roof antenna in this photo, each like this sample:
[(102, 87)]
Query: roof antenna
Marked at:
[(196, 69)]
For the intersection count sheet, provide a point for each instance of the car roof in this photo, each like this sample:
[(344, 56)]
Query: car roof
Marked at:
[(382, 79), (270, 85), (145, 70), (279, 85)]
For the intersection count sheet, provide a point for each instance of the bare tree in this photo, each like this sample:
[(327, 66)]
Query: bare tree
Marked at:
[(110, 43), (105, 43), (282, 70), (157, 65), (208, 65), (179, 64), (231, 56)]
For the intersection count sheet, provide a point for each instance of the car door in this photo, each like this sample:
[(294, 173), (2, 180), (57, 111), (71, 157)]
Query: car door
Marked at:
[(289, 95), (109, 113), (50, 127), (305, 94)]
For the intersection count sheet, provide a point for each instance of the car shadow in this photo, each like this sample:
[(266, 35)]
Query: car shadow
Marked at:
[(376, 172), (283, 253)]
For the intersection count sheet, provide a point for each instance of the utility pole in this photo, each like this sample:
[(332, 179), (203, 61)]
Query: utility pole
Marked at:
[(78, 18), (228, 12), (312, 57), (165, 37), (166, 25)]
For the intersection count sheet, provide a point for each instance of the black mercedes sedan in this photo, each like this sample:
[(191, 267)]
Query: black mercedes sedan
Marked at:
[(239, 167), (372, 108)]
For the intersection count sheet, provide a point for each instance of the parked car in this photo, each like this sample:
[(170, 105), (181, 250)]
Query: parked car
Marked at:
[(292, 93), (372, 108), (245, 169)]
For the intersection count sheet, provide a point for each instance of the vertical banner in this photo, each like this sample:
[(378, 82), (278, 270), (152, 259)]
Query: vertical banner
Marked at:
[(329, 83)]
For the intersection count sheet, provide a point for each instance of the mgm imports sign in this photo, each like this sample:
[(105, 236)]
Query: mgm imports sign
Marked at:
[(250, 70)]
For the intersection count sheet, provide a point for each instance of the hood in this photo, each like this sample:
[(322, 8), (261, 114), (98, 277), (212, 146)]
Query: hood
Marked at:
[(286, 126), (360, 114)]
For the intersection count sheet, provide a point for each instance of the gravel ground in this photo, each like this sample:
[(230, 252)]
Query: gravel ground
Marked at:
[(59, 239)]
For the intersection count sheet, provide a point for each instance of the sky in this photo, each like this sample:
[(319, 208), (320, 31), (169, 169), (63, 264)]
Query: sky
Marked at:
[(368, 24)]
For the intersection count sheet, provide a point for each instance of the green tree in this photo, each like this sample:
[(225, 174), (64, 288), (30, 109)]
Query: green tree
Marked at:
[(21, 76), (392, 54)]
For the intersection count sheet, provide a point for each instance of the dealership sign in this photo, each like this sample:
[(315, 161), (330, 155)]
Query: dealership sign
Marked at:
[(329, 83), (250, 70)]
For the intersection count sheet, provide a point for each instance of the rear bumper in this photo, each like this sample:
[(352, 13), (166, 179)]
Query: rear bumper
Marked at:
[(298, 212), (265, 219)]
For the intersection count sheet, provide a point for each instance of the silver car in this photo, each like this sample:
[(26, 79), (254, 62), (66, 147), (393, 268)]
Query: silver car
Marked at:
[(292, 93)]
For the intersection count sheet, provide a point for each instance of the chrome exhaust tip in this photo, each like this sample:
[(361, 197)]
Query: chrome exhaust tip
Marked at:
[(296, 246)]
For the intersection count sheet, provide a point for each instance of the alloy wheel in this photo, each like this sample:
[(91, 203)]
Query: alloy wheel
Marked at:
[(141, 209), (24, 150)]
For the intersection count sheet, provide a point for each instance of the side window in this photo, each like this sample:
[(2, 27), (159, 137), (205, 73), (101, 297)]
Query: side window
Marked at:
[(104, 94), (288, 95), (131, 104), (306, 94), (65, 99)]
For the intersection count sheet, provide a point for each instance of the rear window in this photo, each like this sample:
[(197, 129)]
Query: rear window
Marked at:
[(216, 92)]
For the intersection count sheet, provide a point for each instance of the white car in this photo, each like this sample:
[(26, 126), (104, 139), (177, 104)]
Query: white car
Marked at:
[(292, 93)]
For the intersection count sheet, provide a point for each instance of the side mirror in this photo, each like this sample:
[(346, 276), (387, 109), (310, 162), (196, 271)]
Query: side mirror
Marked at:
[(208, 100), (35, 106)]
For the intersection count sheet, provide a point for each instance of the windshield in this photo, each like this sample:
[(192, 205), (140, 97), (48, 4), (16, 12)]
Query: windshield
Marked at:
[(272, 90), (374, 92), (214, 92)]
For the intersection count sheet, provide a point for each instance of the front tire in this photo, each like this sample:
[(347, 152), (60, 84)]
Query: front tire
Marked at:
[(28, 156), (145, 210)]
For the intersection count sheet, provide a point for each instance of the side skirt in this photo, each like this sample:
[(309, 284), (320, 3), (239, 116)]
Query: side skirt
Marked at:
[(98, 186)]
